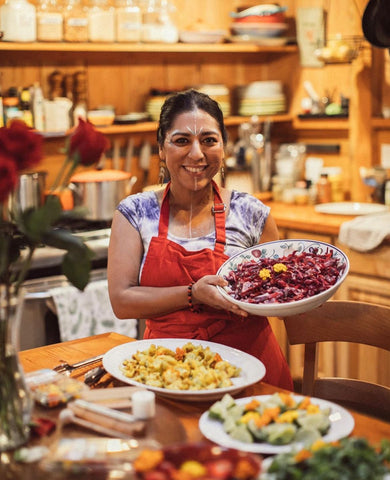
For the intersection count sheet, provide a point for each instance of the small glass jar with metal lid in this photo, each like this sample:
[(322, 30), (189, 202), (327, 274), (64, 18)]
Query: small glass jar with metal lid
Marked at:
[(75, 21), (49, 21), (101, 21)]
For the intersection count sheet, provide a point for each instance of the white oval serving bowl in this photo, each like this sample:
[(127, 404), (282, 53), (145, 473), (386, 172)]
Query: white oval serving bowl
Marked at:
[(278, 249)]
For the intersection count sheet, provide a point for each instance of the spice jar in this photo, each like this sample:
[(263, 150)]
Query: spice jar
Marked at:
[(18, 21), (324, 189), (128, 21), (75, 22), (101, 22), (49, 22)]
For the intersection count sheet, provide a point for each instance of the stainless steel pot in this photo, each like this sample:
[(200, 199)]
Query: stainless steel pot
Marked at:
[(100, 191), (29, 193)]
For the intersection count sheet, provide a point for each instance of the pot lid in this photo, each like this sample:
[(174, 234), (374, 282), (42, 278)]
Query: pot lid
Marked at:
[(105, 175)]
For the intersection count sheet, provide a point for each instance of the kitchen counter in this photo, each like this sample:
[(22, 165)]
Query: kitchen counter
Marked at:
[(305, 218)]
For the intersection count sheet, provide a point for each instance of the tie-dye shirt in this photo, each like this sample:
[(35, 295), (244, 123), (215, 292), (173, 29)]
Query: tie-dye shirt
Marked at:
[(244, 223)]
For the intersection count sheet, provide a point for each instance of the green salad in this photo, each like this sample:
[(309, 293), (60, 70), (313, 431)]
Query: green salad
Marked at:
[(351, 458), (279, 419)]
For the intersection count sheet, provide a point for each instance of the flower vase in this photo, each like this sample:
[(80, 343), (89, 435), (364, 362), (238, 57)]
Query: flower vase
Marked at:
[(15, 398)]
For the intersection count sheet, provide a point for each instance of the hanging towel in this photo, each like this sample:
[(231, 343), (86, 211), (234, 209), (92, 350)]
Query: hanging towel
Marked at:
[(366, 232), (81, 314)]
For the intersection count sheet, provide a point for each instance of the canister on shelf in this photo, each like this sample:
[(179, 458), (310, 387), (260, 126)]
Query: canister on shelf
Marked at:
[(75, 21), (18, 21), (49, 21), (101, 21), (128, 20)]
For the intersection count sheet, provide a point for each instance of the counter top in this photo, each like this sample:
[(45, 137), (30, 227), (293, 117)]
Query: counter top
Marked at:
[(305, 218)]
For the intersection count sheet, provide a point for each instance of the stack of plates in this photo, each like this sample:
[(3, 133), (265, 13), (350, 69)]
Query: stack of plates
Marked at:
[(220, 93), (262, 24), (261, 98), (153, 106)]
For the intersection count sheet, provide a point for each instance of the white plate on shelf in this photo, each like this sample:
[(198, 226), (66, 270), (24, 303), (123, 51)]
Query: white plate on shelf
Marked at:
[(342, 424), (252, 369), (351, 208)]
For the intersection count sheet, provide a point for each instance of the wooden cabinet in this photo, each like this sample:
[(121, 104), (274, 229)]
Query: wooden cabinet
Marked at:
[(123, 74)]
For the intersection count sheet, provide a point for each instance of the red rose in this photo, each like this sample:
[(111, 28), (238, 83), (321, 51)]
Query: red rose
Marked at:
[(8, 176), (88, 143), (22, 144)]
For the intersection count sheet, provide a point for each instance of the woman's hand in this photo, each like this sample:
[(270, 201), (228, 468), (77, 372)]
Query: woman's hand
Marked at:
[(204, 292)]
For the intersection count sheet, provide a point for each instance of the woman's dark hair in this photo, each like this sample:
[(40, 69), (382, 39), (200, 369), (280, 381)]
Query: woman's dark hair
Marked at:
[(187, 101)]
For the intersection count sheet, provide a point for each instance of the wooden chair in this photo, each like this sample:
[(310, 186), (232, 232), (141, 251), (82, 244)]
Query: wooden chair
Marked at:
[(342, 321)]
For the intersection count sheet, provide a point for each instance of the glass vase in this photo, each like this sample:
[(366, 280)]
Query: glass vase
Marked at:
[(15, 398)]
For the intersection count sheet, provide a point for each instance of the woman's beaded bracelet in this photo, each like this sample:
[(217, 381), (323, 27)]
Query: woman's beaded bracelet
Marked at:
[(191, 306)]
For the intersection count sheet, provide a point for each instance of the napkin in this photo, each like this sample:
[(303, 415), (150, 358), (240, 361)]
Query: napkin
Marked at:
[(366, 232), (82, 314)]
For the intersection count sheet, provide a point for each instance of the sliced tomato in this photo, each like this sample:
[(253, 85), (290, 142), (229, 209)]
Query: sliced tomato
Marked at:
[(220, 469)]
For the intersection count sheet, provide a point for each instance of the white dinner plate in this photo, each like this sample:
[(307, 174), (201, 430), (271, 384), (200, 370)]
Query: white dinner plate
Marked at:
[(342, 424), (252, 369), (351, 208)]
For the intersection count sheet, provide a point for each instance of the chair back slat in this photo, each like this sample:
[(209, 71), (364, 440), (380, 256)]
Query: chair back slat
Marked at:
[(342, 321)]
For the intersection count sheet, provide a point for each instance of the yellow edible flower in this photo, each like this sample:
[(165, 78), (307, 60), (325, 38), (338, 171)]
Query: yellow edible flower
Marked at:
[(264, 274), (193, 468), (313, 408), (317, 445), (251, 415), (287, 417), (280, 267)]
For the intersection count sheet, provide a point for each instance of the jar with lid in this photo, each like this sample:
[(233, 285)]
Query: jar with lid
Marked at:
[(49, 21), (75, 21), (324, 189), (101, 21), (128, 21), (18, 21)]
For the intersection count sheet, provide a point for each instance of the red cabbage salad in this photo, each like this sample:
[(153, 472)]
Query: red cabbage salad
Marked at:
[(285, 279)]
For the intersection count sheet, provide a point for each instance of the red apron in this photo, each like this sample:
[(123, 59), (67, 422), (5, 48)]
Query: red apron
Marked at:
[(169, 264)]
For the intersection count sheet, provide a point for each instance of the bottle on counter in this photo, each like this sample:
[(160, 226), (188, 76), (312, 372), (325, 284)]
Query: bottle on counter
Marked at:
[(101, 21), (26, 107), (11, 106), (75, 21), (18, 21), (37, 108), (324, 189), (49, 21), (128, 20)]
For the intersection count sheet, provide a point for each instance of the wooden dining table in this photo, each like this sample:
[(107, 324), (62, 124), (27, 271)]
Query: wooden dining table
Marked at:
[(176, 421)]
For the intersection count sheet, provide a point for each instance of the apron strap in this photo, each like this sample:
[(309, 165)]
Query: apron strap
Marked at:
[(218, 210)]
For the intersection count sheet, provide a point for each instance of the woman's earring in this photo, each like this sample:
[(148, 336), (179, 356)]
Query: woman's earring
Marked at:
[(223, 176), (162, 172)]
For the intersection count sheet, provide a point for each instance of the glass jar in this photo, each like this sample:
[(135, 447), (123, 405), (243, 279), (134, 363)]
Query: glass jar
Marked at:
[(101, 24), (128, 21), (18, 21), (75, 22), (49, 22)]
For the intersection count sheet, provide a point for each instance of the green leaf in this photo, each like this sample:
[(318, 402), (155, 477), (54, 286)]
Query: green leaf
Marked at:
[(77, 269), (65, 240), (35, 222)]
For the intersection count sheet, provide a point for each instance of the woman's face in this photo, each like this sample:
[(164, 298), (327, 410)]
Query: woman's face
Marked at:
[(193, 149)]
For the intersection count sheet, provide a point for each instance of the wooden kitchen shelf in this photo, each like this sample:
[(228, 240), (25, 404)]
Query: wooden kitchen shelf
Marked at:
[(145, 47), (147, 127), (380, 123)]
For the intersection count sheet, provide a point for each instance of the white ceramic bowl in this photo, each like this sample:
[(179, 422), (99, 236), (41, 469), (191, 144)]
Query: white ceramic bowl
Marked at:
[(278, 249)]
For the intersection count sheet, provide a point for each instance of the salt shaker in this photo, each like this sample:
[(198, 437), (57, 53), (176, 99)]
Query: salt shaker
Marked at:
[(143, 404)]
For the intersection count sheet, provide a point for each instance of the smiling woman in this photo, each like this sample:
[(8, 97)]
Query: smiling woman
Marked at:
[(166, 246)]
